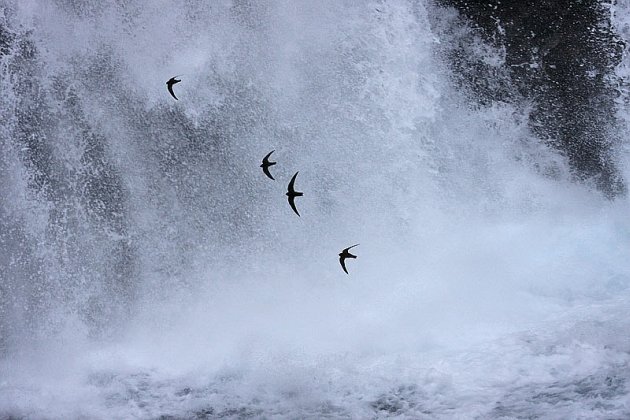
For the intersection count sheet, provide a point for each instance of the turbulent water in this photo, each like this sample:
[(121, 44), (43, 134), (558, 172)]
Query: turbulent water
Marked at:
[(149, 269)]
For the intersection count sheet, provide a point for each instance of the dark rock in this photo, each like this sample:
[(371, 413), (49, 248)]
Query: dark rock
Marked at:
[(560, 55)]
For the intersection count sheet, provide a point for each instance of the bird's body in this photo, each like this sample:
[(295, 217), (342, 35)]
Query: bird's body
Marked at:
[(291, 193), (345, 254), (170, 84), (266, 164)]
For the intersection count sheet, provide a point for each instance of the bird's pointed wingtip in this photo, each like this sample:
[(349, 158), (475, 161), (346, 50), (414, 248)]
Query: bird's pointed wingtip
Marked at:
[(292, 204), (266, 172)]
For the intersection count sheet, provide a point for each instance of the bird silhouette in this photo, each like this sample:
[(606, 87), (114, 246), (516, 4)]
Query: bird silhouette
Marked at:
[(291, 193), (170, 84), (266, 164), (345, 254)]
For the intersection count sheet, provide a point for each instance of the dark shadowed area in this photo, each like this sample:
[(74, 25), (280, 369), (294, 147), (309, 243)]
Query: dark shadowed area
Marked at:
[(561, 57)]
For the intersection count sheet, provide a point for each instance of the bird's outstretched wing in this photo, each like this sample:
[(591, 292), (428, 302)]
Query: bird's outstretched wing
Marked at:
[(266, 171), (292, 183), (170, 89), (342, 261), (266, 158), (349, 248), (292, 204)]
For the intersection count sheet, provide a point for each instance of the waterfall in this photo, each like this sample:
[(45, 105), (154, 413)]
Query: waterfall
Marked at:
[(149, 269)]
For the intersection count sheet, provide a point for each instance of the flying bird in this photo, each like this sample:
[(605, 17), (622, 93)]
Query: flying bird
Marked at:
[(266, 164), (170, 84), (291, 193), (345, 254)]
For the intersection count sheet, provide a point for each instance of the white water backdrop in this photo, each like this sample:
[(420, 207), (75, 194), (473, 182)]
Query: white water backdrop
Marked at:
[(151, 270)]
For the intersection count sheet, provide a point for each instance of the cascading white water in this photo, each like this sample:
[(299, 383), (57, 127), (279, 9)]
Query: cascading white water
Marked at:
[(150, 268)]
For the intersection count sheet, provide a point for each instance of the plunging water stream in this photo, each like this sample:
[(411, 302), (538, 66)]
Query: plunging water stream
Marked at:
[(149, 268)]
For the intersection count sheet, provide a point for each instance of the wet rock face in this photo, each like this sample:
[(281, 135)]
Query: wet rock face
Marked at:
[(560, 55)]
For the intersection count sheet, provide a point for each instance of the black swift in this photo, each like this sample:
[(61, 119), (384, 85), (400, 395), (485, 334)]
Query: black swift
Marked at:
[(266, 164), (345, 254), (170, 84), (291, 193)]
